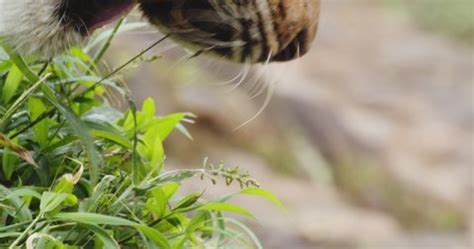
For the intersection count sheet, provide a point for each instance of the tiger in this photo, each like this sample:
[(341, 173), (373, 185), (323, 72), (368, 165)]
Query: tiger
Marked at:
[(243, 31)]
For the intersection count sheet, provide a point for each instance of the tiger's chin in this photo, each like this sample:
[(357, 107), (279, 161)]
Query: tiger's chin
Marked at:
[(252, 31), (48, 27)]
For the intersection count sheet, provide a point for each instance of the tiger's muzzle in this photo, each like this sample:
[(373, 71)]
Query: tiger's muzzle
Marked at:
[(250, 31)]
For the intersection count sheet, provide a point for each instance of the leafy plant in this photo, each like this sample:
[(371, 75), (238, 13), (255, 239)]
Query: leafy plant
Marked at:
[(78, 173)]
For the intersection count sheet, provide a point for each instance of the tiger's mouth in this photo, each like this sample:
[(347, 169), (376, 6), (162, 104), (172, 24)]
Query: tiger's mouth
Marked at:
[(250, 31), (86, 16)]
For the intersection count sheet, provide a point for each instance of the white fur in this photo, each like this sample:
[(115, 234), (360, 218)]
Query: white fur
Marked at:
[(32, 27)]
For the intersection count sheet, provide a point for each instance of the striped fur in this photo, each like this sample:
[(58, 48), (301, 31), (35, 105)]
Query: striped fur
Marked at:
[(247, 31), (238, 30)]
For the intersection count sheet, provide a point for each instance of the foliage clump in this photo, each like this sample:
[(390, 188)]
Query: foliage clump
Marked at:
[(78, 173)]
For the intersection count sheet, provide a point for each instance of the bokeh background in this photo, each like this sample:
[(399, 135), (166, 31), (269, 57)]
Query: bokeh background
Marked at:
[(368, 140)]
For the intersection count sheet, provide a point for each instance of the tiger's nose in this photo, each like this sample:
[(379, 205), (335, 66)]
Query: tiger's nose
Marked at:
[(298, 27), (298, 47)]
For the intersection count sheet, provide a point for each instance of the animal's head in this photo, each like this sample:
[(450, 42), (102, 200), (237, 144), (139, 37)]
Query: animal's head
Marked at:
[(238, 30)]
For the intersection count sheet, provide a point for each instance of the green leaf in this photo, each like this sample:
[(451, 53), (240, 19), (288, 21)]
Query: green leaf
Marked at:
[(20, 63), (170, 189), (112, 137), (4, 65), (154, 236), (36, 108), (226, 207), (11, 84), (99, 190), (82, 132), (198, 221), (149, 109), (100, 219), (188, 201), (9, 234), (263, 193), (221, 226), (51, 201), (22, 212), (22, 192), (9, 163), (107, 240), (158, 202), (167, 124), (23, 97), (93, 218), (152, 146)]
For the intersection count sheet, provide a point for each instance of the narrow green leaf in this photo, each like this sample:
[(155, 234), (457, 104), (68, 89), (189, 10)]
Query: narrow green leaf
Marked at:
[(154, 236), (167, 124), (221, 226), (107, 240), (263, 193), (93, 218), (112, 137), (11, 84), (188, 201), (51, 200), (22, 192), (83, 133), (226, 207), (36, 108), (9, 163), (149, 109), (23, 213), (197, 221), (9, 234), (23, 97)]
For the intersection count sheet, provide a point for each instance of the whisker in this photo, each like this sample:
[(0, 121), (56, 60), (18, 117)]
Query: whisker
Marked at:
[(298, 49), (268, 97), (243, 73), (242, 78), (186, 57), (258, 89), (257, 85)]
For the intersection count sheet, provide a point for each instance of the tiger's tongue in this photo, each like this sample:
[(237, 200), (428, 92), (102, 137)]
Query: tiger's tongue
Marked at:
[(110, 14)]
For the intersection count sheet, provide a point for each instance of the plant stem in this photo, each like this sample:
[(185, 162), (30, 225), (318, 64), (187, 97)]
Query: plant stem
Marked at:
[(25, 232), (106, 45), (144, 51)]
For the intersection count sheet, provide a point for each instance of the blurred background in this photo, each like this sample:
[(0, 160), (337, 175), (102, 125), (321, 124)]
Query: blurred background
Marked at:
[(368, 140)]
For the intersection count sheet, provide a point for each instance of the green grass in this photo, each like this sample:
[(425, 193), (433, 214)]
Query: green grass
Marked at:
[(75, 172)]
